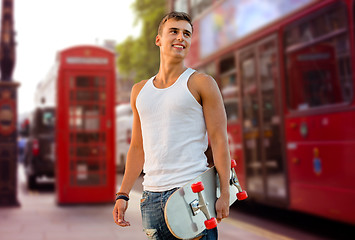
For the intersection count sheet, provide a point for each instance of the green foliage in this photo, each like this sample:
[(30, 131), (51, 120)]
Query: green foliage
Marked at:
[(141, 56)]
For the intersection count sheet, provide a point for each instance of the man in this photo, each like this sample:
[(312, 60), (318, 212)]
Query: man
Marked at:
[(171, 113)]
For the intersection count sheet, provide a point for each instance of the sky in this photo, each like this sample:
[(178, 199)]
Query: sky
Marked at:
[(44, 27)]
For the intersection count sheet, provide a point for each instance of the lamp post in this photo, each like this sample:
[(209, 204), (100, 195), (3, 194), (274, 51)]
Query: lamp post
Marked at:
[(8, 109)]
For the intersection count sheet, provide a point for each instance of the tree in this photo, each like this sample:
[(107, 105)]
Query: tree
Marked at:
[(140, 56)]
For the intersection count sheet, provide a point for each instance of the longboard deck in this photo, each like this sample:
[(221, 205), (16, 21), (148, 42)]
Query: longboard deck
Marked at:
[(179, 217)]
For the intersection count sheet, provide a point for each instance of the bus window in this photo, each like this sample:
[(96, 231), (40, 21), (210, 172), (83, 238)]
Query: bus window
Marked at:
[(209, 69), (44, 120), (317, 53), (48, 119), (229, 87), (231, 106)]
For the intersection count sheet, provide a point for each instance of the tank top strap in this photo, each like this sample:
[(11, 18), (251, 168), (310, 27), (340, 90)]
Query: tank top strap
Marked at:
[(150, 80), (188, 72)]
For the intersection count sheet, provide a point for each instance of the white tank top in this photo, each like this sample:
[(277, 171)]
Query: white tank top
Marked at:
[(174, 134)]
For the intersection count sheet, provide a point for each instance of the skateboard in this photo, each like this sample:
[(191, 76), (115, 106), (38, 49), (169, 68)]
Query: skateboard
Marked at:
[(191, 209)]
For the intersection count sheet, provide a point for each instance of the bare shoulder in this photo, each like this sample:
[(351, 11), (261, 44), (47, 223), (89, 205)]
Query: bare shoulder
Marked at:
[(202, 82), (137, 87), (201, 78), (136, 90)]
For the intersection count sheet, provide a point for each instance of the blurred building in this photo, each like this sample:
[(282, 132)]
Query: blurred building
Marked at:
[(46, 89), (110, 45), (124, 83), (192, 7)]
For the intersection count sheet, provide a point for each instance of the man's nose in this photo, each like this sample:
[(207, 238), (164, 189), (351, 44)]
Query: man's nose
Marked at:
[(180, 37)]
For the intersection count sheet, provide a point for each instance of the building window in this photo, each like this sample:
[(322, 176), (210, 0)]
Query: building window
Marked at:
[(317, 53)]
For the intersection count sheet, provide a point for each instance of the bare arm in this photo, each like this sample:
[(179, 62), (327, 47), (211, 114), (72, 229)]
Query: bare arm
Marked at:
[(216, 123), (135, 155), (134, 162)]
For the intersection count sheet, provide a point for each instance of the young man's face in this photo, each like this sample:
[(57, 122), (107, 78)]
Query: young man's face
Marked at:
[(175, 38)]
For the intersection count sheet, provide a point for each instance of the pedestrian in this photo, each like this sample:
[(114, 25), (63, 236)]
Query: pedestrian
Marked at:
[(172, 113)]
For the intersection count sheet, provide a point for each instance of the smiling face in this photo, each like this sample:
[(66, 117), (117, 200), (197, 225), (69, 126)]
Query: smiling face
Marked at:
[(175, 38)]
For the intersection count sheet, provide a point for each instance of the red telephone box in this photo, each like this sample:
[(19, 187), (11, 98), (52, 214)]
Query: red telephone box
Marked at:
[(85, 150)]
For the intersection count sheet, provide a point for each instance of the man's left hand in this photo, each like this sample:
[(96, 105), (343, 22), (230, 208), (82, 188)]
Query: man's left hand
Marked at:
[(222, 207)]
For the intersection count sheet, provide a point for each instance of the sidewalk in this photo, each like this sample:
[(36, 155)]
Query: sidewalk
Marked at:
[(39, 218)]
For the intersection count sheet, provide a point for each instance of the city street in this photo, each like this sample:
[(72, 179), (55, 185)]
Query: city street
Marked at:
[(271, 84), (40, 218)]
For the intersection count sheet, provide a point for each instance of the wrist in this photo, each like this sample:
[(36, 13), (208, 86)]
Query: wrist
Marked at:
[(122, 195), (225, 193)]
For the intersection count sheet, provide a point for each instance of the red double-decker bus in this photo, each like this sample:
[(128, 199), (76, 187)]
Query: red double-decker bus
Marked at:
[(81, 88), (284, 69)]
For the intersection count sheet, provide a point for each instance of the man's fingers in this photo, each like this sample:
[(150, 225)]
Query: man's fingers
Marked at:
[(115, 214), (222, 214), (123, 223), (219, 216), (120, 221), (118, 216)]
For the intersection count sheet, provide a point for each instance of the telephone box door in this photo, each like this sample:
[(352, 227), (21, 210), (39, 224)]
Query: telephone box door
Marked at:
[(86, 157)]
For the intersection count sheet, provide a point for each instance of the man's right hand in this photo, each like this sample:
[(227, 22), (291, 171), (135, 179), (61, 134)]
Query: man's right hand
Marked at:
[(119, 211)]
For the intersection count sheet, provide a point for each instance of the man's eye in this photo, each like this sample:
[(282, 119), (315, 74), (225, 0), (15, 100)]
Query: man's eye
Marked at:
[(187, 34)]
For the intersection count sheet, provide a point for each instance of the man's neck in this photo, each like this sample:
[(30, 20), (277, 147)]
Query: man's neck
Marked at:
[(169, 71)]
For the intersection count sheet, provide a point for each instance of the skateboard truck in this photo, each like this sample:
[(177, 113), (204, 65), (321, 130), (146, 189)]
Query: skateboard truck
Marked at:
[(201, 205), (241, 195)]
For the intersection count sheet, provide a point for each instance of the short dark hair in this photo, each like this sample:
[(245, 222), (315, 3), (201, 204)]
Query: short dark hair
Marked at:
[(178, 16)]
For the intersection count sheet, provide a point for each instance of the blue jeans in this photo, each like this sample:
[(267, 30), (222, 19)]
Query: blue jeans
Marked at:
[(152, 209)]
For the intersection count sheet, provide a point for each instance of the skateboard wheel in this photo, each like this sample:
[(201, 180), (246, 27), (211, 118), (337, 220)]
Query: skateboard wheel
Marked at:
[(211, 223), (197, 187), (233, 163), (242, 195)]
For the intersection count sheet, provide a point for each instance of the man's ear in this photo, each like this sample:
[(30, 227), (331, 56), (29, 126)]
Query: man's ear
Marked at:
[(157, 40)]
